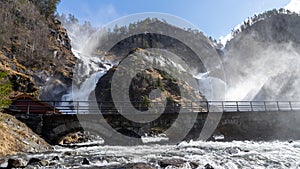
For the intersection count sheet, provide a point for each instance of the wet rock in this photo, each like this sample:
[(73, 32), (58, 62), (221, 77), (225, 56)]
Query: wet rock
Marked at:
[(232, 150), (85, 161), (193, 165), (70, 153), (208, 166), (2, 163), (138, 166), (55, 158), (44, 163), (171, 162), (16, 163), (131, 166), (33, 161), (52, 163)]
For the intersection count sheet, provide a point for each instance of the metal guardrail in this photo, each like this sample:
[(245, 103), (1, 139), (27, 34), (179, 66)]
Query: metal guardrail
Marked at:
[(89, 107)]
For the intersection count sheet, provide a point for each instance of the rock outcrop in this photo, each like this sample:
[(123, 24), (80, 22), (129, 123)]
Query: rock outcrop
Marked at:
[(146, 80), (16, 137), (161, 90), (34, 50)]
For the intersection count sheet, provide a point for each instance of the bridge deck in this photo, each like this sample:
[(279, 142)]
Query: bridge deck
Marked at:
[(89, 107)]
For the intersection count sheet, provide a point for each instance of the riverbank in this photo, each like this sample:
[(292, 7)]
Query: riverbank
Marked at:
[(17, 138)]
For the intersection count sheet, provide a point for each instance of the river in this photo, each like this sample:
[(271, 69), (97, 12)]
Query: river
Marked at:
[(195, 154)]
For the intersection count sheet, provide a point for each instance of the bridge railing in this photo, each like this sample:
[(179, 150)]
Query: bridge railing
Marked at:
[(84, 107)]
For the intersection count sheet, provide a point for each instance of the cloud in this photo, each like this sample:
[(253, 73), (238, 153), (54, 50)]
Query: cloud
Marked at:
[(293, 5)]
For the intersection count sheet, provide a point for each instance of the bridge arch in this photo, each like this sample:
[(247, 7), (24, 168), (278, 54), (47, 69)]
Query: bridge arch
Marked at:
[(57, 132)]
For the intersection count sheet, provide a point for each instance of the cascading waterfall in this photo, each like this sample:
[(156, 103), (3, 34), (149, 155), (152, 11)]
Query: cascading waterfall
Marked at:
[(81, 93), (211, 87)]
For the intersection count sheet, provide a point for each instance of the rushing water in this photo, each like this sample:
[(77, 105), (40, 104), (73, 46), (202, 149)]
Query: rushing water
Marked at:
[(235, 154)]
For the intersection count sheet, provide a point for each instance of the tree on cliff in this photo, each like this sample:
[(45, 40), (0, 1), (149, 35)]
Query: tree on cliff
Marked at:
[(46, 7), (33, 48)]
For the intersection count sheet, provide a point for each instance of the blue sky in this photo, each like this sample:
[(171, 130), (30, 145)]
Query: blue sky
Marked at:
[(215, 18)]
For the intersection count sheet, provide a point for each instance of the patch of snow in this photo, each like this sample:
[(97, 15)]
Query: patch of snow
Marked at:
[(225, 39)]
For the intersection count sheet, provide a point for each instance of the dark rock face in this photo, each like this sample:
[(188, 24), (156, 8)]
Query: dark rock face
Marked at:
[(154, 33), (145, 81), (139, 90), (152, 40), (23, 84)]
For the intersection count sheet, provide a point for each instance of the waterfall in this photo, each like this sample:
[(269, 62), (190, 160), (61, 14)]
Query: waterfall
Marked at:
[(82, 92)]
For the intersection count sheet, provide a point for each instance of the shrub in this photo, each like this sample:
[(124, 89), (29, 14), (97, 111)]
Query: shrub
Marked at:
[(5, 89)]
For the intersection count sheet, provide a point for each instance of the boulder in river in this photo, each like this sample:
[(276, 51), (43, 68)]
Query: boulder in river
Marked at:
[(171, 162), (33, 161), (85, 161), (16, 163), (55, 158), (208, 166)]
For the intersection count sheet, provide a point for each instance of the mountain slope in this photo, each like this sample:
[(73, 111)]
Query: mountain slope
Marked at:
[(35, 50), (263, 57)]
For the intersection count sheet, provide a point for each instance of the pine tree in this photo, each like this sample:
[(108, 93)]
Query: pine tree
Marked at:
[(46, 7)]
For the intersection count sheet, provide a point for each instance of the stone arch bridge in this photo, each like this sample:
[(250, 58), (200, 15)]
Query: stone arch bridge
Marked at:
[(257, 120)]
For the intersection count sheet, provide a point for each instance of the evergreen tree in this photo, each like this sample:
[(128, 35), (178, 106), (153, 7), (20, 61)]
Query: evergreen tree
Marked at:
[(46, 7), (72, 19), (116, 29)]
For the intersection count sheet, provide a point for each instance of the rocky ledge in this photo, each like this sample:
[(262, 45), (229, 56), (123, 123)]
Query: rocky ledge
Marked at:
[(17, 138)]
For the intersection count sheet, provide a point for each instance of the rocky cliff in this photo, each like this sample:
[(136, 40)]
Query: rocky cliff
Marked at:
[(35, 51)]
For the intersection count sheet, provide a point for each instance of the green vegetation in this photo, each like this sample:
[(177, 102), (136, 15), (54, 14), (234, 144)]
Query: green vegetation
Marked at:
[(146, 101), (5, 90), (160, 84), (256, 18)]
